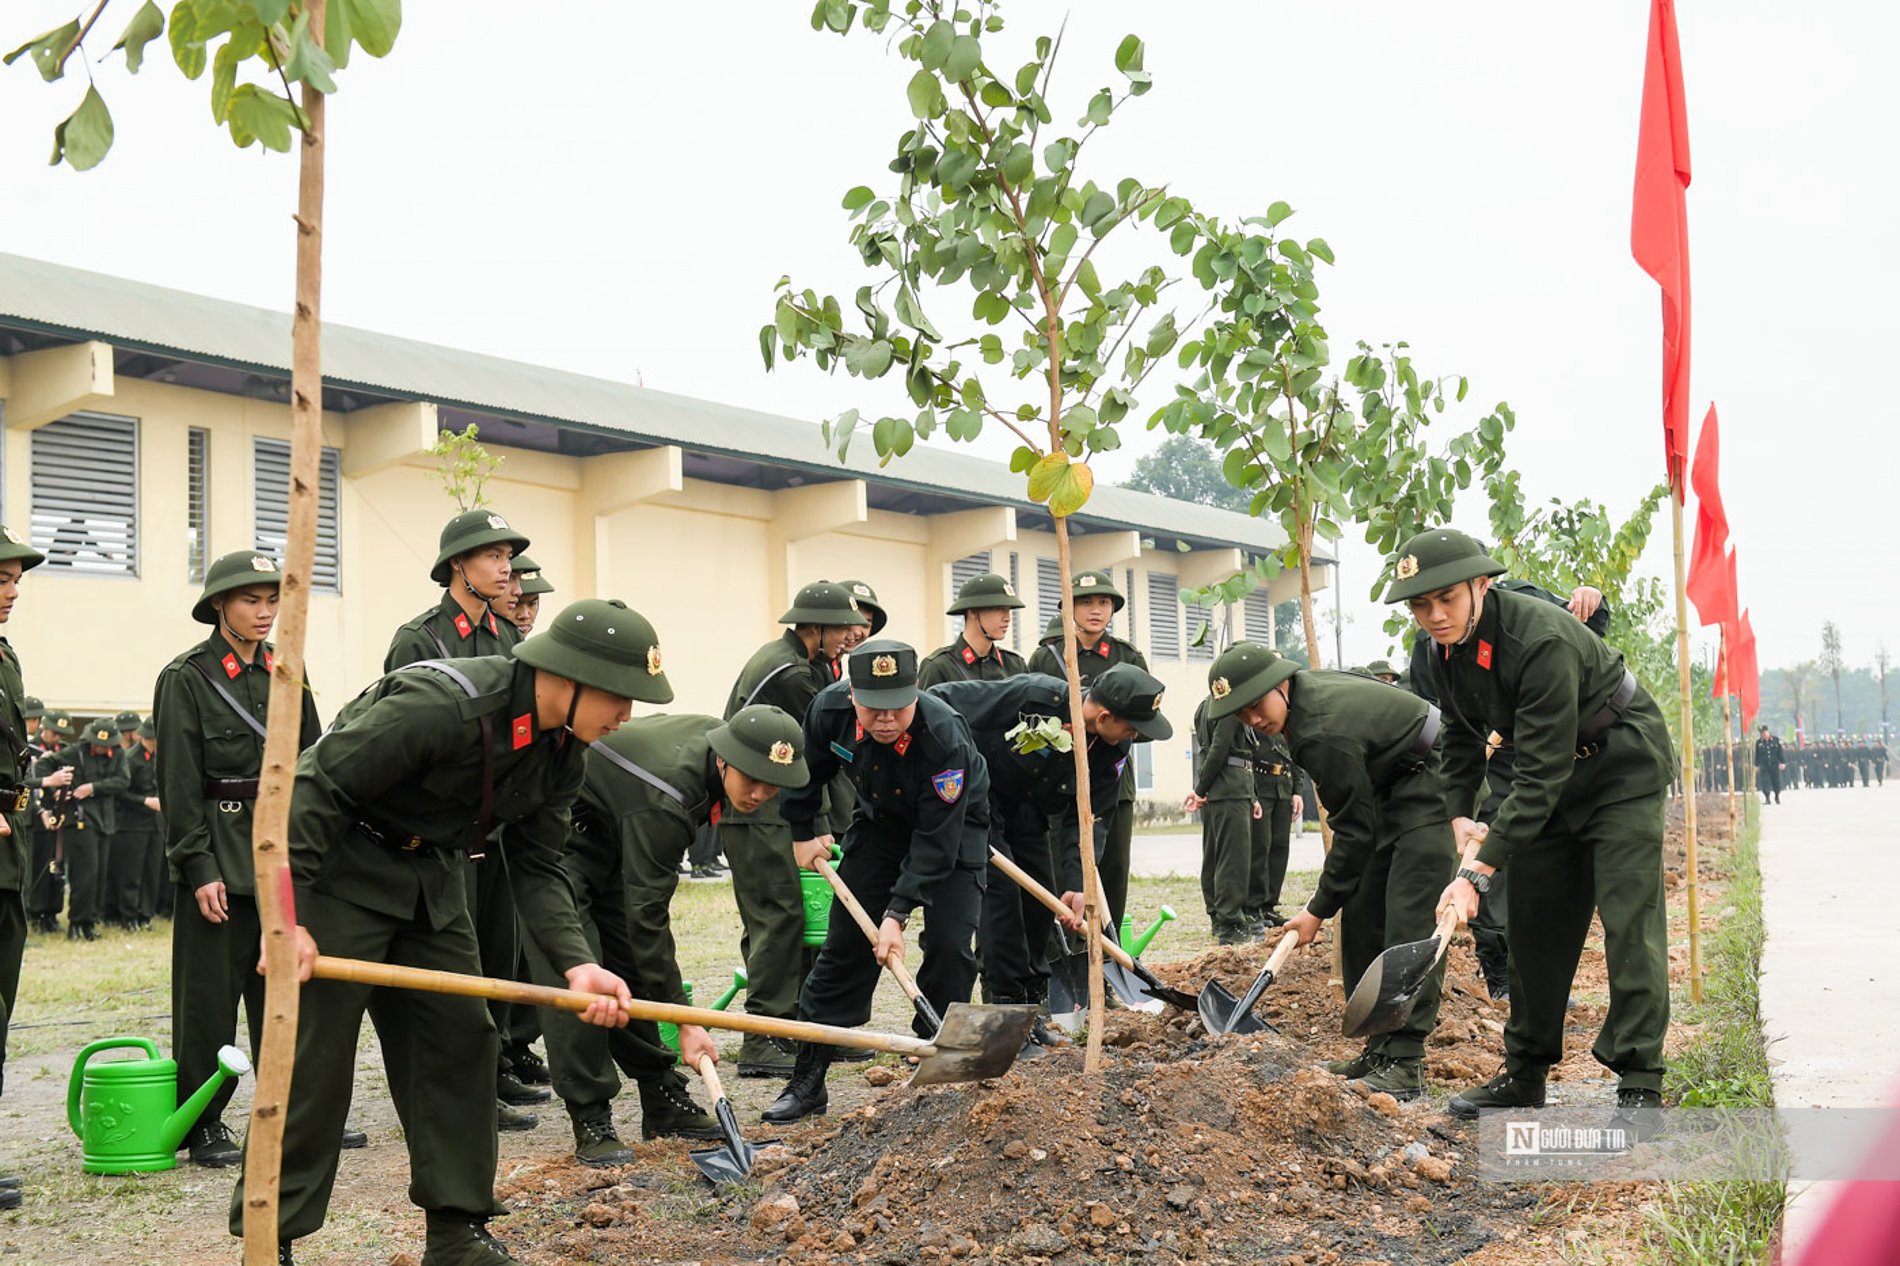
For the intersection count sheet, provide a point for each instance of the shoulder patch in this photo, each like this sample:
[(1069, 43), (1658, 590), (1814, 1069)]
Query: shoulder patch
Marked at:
[(842, 752), (948, 785)]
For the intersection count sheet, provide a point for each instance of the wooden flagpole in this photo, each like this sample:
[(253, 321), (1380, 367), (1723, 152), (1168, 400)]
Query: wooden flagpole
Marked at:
[(1688, 753), (1728, 734)]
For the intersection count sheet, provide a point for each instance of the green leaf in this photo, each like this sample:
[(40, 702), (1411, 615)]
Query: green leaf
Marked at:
[(925, 94), (1278, 212), (337, 35), (938, 41), (1073, 486), (995, 95), (911, 314), (224, 68), (1128, 54), (308, 63), (768, 345), (858, 198), (85, 135), (270, 12), (1022, 459), (965, 55), (1101, 105), (374, 24), (1319, 248), (1044, 475), (146, 25), (1099, 207), (49, 51), (188, 50), (264, 116), (1056, 155)]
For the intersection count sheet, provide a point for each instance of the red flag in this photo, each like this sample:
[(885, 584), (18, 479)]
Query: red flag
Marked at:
[(1744, 671), (1659, 222), (1707, 574), (1712, 588)]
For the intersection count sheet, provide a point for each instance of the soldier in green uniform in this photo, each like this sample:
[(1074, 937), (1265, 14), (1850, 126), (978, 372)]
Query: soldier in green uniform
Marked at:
[(649, 787), (1581, 829), (787, 673), (418, 770), (1094, 600), (985, 603), (1370, 752), (211, 705), (1278, 806), (529, 584), (918, 839), (52, 816), (1023, 728), (521, 1025), (99, 775), (1384, 671), (1223, 795), (124, 905), (156, 887), (16, 790)]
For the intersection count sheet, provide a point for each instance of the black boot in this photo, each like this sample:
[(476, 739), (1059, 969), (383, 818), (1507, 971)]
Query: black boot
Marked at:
[(529, 1068), (459, 1241), (1502, 1091), (805, 1095), (1495, 963)]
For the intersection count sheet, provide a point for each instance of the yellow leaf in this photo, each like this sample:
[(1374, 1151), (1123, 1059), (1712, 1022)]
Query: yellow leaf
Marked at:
[(1072, 490), (1046, 474)]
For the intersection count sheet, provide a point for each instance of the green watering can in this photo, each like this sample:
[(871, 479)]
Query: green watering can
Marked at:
[(1136, 944), (670, 1033), (818, 899), (126, 1111)]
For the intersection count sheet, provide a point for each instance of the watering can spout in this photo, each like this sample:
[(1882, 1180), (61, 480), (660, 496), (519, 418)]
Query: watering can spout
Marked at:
[(232, 1062)]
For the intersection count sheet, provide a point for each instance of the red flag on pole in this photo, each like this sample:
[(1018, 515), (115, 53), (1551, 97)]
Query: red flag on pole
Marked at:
[(1659, 222), (1708, 573), (1712, 588), (1744, 670)]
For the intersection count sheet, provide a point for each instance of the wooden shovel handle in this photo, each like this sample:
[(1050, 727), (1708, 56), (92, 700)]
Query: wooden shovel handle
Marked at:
[(391, 976), (845, 898), (1281, 952), (1054, 903), (710, 1075)]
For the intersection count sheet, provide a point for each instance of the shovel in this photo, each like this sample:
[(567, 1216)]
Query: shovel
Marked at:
[(1221, 1012), (899, 973), (1384, 997), (1137, 987), (731, 1162), (975, 1043)]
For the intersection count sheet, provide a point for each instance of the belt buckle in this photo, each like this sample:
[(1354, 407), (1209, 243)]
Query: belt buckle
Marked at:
[(23, 800), (230, 806), (411, 844), (1587, 750)]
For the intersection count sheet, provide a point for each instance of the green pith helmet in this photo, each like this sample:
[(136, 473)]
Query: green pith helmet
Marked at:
[(1093, 584), (127, 722), (866, 598), (1431, 560), (59, 724), (528, 572), (31, 707), (1135, 697), (883, 674), (147, 730), (13, 549), (1382, 668), (234, 571), (103, 733), (765, 743), (986, 593), (472, 530), (1242, 674), (1052, 631), (824, 602), (603, 643)]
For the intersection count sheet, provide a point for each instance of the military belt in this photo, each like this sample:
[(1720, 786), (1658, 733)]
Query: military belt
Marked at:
[(21, 798), (1264, 768), (230, 788), (394, 839), (1590, 737), (1240, 762)]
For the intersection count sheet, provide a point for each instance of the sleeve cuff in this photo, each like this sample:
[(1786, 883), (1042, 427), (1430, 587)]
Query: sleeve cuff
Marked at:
[(803, 829), (199, 869)]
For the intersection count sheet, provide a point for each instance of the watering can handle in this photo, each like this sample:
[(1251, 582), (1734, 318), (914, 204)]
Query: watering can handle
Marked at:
[(78, 1080)]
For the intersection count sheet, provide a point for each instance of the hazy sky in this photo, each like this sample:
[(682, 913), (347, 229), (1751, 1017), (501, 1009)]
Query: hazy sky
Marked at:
[(613, 189)]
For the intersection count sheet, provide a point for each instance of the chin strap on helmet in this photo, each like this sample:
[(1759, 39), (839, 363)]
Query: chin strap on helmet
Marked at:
[(573, 706)]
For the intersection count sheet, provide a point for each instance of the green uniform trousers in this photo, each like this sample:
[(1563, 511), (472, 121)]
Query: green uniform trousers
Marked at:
[(1115, 860), (85, 872), (491, 906), (1395, 902), (1611, 865), (214, 972), (1270, 843), (126, 898), (1226, 862), (46, 891), (439, 1053), (12, 948), (765, 885)]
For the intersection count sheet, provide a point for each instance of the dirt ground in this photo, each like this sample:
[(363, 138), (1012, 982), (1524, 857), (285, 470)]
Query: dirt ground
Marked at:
[(1185, 1149)]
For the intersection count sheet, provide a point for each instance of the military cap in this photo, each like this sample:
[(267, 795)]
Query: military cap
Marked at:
[(883, 674), (528, 572), (1241, 675), (1382, 668), (866, 598), (824, 602), (103, 732), (31, 707), (1431, 560), (469, 531), (60, 723), (127, 722), (1094, 584), (765, 743), (985, 593), (234, 571), (1052, 631), (1135, 697), (603, 643), (15, 550), (147, 730)]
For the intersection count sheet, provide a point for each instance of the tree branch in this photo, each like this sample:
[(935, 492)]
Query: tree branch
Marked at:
[(83, 32)]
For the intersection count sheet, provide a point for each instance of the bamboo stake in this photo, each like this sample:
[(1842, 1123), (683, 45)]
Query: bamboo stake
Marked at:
[(1688, 753), (263, 1153), (1092, 909), (1728, 736)]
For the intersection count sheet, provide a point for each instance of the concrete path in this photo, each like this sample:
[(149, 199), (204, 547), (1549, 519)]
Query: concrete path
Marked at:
[(1830, 987), (1157, 856)]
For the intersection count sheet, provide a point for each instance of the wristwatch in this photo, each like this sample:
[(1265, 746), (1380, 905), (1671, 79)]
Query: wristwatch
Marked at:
[(1481, 882)]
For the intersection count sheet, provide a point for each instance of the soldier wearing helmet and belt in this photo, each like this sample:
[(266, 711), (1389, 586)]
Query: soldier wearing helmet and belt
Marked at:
[(978, 654), (16, 783)]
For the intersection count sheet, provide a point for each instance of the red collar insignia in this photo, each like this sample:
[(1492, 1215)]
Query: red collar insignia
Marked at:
[(1484, 655), (524, 731), (712, 819), (491, 624), (1101, 648), (270, 661), (860, 732), (902, 744), (969, 656), (837, 670), (231, 666), (462, 625)]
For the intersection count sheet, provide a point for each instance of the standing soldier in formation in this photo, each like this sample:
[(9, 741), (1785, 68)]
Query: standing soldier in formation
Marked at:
[(16, 795), (419, 770), (1768, 759), (787, 673), (127, 903), (99, 775), (1371, 753), (525, 575), (918, 840), (986, 603), (52, 818), (1276, 790), (1581, 829), (649, 787), (211, 705), (1223, 794), (1093, 602)]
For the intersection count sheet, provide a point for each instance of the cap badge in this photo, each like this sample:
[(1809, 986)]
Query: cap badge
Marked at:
[(1157, 703), (1085, 581), (1221, 687), (498, 523), (6, 534), (781, 753), (261, 563), (1407, 568), (884, 666), (1009, 590), (530, 575), (653, 661), (863, 591)]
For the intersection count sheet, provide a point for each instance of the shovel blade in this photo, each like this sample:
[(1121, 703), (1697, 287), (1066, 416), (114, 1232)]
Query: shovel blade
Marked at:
[(731, 1162), (1383, 999), (976, 1042), (1221, 1012)]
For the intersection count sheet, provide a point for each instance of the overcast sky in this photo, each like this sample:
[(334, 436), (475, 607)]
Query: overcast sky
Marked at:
[(613, 189)]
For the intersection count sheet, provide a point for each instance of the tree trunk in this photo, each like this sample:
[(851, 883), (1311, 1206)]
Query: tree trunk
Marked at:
[(1085, 811), (263, 1154)]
